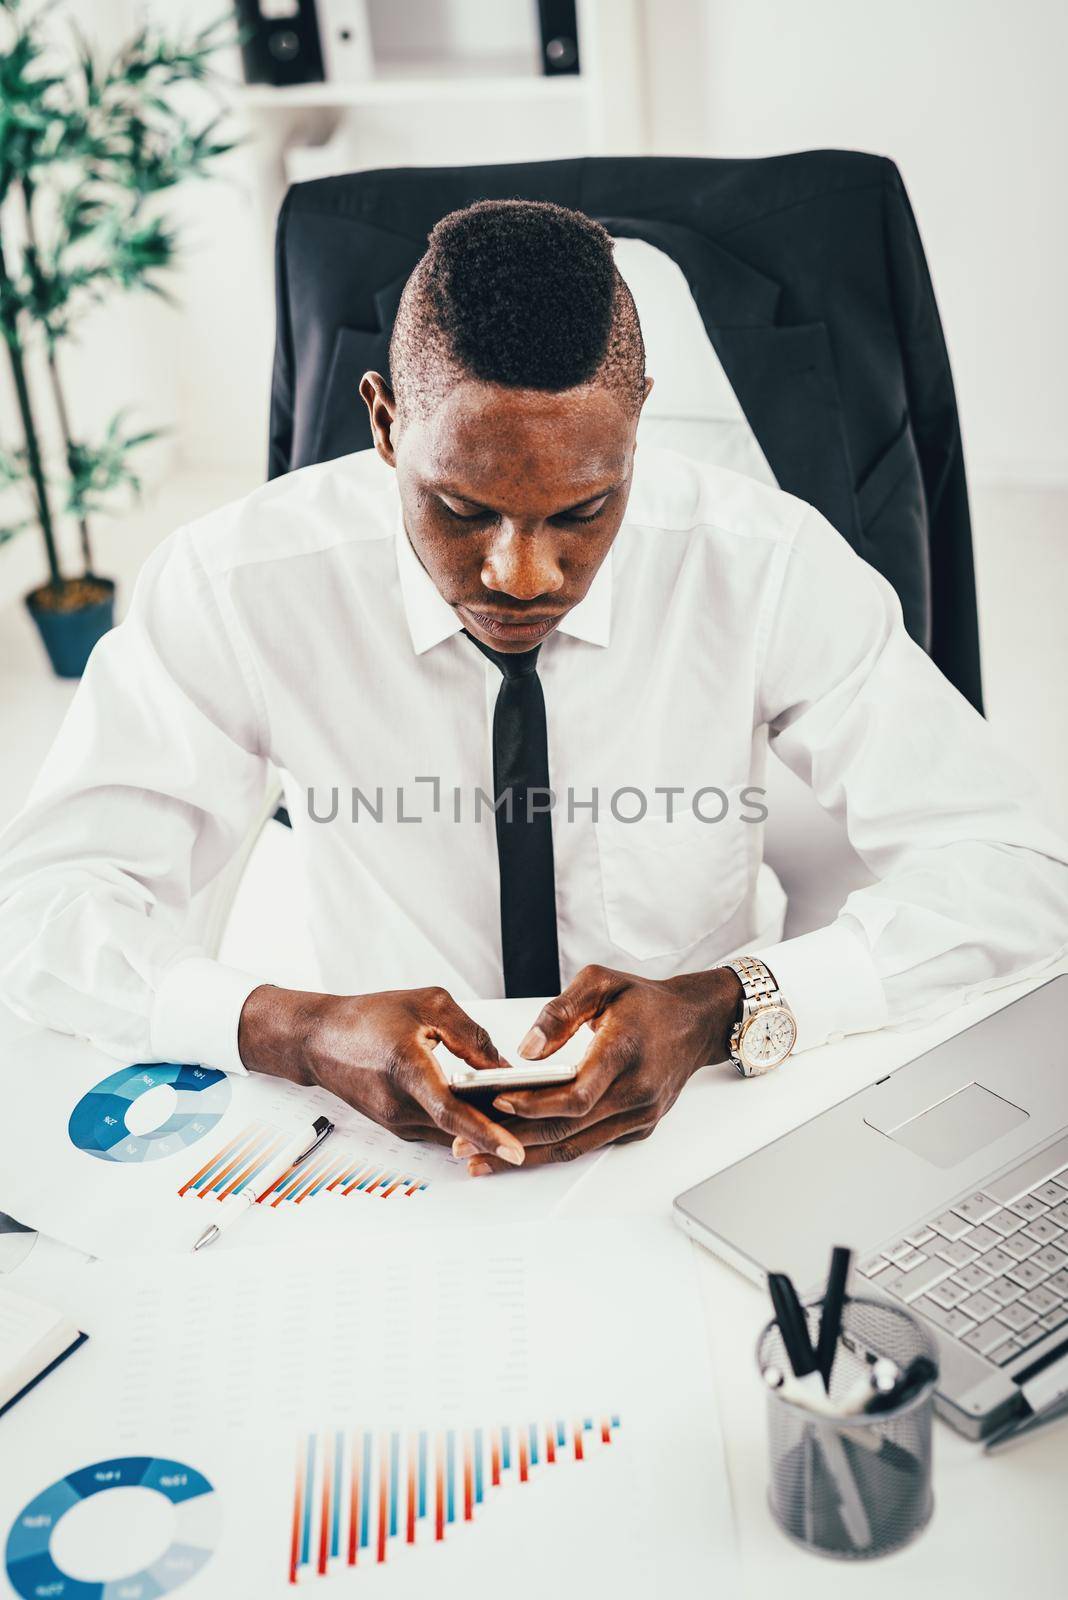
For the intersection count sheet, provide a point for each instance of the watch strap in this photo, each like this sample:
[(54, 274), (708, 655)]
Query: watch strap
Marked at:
[(757, 980)]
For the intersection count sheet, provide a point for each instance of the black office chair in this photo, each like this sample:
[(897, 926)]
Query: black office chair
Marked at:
[(810, 279)]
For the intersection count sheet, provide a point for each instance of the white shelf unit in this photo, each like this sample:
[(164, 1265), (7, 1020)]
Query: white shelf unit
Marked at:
[(454, 112), (412, 82), (387, 89)]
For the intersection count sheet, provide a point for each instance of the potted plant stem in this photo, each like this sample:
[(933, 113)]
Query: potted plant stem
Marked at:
[(86, 148)]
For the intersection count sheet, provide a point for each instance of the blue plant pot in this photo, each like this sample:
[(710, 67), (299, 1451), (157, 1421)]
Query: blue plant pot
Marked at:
[(69, 636)]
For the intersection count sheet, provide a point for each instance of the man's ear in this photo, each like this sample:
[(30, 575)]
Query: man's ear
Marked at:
[(381, 406), (648, 388)]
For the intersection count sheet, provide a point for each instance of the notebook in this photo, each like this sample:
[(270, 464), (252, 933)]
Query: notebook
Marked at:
[(34, 1338)]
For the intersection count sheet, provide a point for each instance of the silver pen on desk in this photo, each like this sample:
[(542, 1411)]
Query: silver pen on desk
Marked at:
[(321, 1128)]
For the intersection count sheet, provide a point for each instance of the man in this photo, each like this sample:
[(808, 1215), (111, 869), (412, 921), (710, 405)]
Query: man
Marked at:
[(506, 599)]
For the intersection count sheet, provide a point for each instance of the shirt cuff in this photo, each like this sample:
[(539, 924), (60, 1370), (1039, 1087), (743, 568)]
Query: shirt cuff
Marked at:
[(196, 1012), (829, 981)]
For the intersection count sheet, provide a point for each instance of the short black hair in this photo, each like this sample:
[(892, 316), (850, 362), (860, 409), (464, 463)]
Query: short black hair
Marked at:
[(521, 293)]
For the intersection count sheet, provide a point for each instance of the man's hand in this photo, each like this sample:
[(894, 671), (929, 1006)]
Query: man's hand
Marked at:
[(649, 1037), (376, 1052)]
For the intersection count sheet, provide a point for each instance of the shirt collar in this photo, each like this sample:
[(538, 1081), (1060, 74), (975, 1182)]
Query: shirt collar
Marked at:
[(431, 619)]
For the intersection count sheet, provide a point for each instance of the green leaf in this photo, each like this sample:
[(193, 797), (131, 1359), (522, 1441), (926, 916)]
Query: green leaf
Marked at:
[(93, 145), (14, 467), (97, 470)]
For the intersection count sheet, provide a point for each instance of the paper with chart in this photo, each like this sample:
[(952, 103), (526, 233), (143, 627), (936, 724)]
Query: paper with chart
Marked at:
[(120, 1160), (429, 1414)]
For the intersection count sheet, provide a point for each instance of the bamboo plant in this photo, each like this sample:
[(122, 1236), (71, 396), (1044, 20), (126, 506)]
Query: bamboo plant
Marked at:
[(87, 147)]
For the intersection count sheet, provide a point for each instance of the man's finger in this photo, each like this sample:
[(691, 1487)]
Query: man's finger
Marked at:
[(595, 1137), (421, 1077), (578, 1003), (612, 1052), (462, 1035), (555, 1130)]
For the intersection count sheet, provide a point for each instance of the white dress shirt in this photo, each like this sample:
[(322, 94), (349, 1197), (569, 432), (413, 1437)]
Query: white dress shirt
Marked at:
[(297, 630)]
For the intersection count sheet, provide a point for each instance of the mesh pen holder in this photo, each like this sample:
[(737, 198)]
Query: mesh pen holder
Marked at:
[(860, 1488)]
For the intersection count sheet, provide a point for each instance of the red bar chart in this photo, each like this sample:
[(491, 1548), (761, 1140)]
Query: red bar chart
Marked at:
[(360, 1495)]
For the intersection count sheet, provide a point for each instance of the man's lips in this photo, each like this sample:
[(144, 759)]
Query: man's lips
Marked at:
[(501, 625)]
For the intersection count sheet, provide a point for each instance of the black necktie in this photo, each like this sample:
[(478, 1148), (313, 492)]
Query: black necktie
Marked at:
[(524, 840)]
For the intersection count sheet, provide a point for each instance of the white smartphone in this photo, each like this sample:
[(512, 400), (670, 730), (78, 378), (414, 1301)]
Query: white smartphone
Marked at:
[(465, 1079), (507, 1021)]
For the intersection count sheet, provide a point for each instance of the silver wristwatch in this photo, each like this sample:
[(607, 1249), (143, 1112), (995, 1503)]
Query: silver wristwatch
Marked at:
[(767, 1030)]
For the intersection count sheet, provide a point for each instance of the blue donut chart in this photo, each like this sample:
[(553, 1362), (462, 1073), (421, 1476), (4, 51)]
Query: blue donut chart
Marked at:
[(33, 1571), (98, 1122)]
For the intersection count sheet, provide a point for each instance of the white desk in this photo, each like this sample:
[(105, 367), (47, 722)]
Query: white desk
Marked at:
[(1000, 1525)]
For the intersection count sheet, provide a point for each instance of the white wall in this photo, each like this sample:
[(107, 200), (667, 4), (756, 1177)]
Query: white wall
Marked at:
[(968, 97)]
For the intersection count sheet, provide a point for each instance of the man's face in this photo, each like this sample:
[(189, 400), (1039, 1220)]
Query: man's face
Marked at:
[(511, 498)]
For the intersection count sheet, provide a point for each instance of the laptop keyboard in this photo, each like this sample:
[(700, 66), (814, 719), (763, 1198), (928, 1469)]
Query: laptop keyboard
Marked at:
[(992, 1271)]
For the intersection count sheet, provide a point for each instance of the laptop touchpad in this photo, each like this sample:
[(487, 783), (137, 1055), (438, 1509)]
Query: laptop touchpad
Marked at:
[(956, 1128)]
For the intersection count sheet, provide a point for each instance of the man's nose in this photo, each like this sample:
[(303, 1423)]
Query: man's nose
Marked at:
[(522, 564)]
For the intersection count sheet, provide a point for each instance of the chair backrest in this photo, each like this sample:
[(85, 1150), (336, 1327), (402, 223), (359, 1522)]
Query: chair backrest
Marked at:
[(692, 407), (822, 364)]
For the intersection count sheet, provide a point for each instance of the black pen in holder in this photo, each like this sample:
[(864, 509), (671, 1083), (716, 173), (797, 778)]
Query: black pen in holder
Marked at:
[(852, 1486)]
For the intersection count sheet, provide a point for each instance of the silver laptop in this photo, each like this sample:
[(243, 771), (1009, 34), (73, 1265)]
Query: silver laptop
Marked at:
[(949, 1178)]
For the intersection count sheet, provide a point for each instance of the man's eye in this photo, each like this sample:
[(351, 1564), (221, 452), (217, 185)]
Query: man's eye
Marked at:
[(464, 516), (573, 516)]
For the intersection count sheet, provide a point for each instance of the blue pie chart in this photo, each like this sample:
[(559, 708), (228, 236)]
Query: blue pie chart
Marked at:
[(98, 1122), (33, 1572)]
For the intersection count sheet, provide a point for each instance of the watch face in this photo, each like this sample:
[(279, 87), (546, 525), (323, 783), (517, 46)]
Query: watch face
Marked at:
[(768, 1038)]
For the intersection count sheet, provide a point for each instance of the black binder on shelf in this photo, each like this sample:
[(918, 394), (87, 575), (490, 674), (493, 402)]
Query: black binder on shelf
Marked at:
[(559, 37), (280, 41)]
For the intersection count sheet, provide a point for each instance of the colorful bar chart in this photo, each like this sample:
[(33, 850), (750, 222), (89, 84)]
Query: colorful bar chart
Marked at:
[(360, 1494), (342, 1175), (237, 1164), (341, 1171)]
